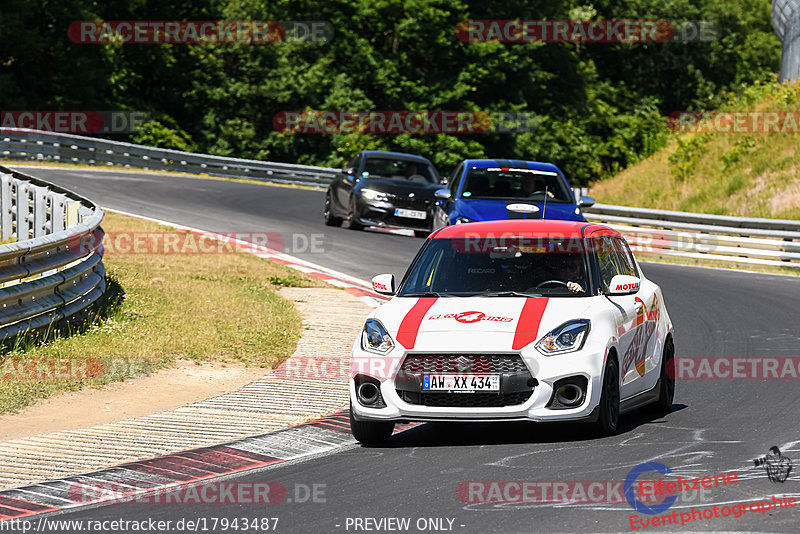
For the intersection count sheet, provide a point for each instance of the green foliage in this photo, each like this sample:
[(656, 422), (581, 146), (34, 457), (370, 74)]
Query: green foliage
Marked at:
[(154, 133), (601, 106), (688, 152)]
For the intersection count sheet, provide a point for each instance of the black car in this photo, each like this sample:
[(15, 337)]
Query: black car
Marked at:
[(389, 189)]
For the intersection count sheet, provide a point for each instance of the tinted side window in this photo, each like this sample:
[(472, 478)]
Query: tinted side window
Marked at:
[(625, 258), (354, 162), (606, 258), (455, 179)]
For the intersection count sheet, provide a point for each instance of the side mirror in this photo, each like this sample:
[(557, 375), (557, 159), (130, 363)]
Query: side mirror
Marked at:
[(585, 202), (623, 285), (383, 284), (443, 193)]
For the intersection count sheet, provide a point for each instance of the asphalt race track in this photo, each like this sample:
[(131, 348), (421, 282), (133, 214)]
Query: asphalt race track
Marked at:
[(716, 426)]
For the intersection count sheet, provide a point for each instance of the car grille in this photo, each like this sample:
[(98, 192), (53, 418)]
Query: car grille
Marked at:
[(416, 364), (411, 203), (516, 381), (466, 400)]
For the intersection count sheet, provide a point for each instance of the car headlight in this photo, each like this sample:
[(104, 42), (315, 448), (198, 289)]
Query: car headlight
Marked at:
[(569, 337), (463, 220), (375, 338), (371, 194)]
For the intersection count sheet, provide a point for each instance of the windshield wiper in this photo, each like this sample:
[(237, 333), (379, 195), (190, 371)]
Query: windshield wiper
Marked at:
[(507, 294), (425, 294)]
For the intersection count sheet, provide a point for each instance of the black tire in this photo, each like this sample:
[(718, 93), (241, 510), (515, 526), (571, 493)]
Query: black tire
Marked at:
[(352, 222), (370, 432), (330, 218), (608, 416), (421, 233), (666, 393)]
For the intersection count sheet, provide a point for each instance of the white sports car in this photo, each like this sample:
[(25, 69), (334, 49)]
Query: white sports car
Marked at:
[(514, 320)]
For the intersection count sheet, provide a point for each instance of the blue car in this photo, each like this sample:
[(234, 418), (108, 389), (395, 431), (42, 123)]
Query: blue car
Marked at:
[(500, 189)]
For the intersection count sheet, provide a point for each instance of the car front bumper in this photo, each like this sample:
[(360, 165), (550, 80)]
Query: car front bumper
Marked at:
[(382, 214), (545, 370)]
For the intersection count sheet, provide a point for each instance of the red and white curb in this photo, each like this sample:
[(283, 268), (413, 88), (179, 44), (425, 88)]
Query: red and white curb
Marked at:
[(356, 287), (164, 474)]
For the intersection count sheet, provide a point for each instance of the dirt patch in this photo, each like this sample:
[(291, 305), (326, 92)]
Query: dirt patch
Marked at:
[(167, 389), (787, 198)]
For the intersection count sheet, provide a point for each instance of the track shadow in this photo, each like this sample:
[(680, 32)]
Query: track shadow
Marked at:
[(442, 434)]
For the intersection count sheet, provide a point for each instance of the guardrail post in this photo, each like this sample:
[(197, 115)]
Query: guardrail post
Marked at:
[(23, 209), (39, 210), (6, 207), (72, 212), (58, 212)]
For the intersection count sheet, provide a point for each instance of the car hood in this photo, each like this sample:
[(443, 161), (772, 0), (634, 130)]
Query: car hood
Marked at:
[(400, 187), (415, 323), (498, 210)]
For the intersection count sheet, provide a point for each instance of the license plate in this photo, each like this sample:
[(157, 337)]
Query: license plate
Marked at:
[(461, 383), (410, 214)]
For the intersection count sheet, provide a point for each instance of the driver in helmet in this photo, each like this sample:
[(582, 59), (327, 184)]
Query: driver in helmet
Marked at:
[(571, 271)]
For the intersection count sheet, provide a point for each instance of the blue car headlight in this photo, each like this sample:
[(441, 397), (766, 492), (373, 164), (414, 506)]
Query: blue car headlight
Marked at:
[(463, 220), (569, 337), (375, 338)]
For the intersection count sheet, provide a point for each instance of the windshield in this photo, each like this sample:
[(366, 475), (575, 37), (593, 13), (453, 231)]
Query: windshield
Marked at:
[(505, 267), (512, 184), (400, 169)]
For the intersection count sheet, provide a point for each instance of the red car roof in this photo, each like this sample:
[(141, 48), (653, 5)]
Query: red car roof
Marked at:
[(540, 228)]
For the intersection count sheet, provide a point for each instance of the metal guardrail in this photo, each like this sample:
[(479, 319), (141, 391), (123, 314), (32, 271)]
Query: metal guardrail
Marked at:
[(670, 233), (51, 268), (20, 143), (700, 236)]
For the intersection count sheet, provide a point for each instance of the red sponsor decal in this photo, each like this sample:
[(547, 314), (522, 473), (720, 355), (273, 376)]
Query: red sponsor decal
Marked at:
[(409, 328), (470, 317), (529, 320), (382, 287), (626, 287)]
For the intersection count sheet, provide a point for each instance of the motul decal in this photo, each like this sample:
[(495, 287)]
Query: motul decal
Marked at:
[(409, 327), (529, 319), (626, 287)]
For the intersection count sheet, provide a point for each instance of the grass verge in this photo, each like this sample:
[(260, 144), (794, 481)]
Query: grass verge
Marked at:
[(747, 175), (219, 306)]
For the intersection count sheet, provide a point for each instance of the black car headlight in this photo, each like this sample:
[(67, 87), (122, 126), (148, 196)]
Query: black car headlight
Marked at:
[(569, 337), (375, 338), (372, 194)]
